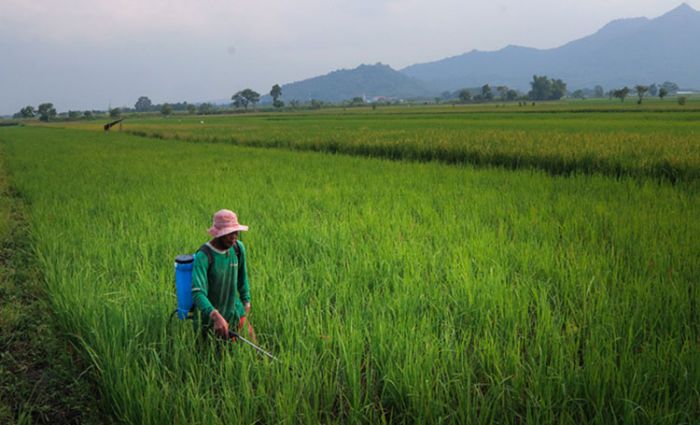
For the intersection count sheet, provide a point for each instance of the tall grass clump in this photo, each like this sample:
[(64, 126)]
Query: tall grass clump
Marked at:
[(391, 292)]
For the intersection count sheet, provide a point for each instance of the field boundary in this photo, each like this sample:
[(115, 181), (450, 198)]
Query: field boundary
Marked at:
[(42, 377)]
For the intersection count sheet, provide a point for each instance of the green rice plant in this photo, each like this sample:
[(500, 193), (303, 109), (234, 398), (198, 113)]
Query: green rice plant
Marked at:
[(625, 140), (391, 291)]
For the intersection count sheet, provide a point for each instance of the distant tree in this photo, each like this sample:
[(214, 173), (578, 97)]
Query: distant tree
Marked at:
[(641, 91), (239, 100), (252, 96), (276, 92), (578, 94), (87, 115), (357, 101), (464, 95), (486, 92), (316, 104), (176, 107), (143, 104), (502, 92), (294, 103), (621, 93), (511, 95), (46, 111), (671, 88), (206, 108), (682, 100), (191, 109), (245, 97), (545, 89), (599, 92), (166, 109), (27, 112), (73, 115), (115, 112), (541, 87), (663, 93), (653, 89), (625, 91), (558, 90)]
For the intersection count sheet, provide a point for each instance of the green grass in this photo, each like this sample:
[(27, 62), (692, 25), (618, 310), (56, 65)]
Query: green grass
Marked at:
[(395, 292), (657, 139)]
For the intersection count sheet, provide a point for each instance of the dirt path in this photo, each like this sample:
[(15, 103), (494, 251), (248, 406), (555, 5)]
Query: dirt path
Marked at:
[(42, 379)]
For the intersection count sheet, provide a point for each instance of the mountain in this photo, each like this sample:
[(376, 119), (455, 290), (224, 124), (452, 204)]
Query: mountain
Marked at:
[(368, 81), (623, 52)]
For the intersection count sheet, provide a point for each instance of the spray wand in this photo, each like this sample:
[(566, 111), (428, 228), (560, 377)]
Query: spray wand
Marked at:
[(236, 335)]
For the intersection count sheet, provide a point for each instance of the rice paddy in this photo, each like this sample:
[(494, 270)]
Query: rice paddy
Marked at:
[(658, 139), (391, 291)]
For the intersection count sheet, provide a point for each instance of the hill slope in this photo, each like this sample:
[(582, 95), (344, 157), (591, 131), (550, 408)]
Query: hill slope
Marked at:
[(626, 51), (365, 80)]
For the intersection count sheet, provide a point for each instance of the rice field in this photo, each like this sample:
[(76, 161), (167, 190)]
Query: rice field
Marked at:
[(391, 291), (656, 139)]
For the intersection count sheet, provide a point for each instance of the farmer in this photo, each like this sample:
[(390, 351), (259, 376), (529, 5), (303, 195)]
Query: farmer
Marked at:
[(220, 289)]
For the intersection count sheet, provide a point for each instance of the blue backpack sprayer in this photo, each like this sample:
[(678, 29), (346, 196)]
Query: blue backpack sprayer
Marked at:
[(183, 288), (183, 285)]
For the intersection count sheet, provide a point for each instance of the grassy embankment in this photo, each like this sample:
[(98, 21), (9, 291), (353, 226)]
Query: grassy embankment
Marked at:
[(40, 380), (394, 291)]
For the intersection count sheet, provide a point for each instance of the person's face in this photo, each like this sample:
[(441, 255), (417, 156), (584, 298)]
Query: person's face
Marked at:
[(228, 240)]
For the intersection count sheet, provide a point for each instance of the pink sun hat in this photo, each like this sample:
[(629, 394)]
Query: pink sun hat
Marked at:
[(225, 222)]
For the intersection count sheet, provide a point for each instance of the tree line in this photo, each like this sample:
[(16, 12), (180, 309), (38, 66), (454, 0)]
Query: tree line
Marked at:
[(44, 111), (542, 88), (666, 89)]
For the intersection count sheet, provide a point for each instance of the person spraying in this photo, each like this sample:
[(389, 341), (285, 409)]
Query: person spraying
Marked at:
[(220, 287)]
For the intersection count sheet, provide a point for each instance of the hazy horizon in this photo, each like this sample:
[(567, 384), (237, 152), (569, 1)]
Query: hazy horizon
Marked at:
[(90, 55)]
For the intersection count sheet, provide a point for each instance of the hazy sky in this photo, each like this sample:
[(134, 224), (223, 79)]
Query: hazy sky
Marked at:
[(88, 54)]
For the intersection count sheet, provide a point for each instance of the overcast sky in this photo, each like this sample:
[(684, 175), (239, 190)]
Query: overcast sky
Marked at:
[(89, 54)]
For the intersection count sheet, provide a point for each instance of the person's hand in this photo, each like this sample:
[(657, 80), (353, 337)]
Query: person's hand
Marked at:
[(220, 324), (246, 307)]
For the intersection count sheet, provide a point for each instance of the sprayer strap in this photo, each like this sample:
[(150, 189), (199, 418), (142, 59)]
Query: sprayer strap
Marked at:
[(207, 250)]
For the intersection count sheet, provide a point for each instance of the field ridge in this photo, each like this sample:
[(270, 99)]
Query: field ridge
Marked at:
[(42, 378)]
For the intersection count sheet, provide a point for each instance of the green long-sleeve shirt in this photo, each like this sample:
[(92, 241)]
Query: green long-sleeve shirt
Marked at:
[(225, 287)]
